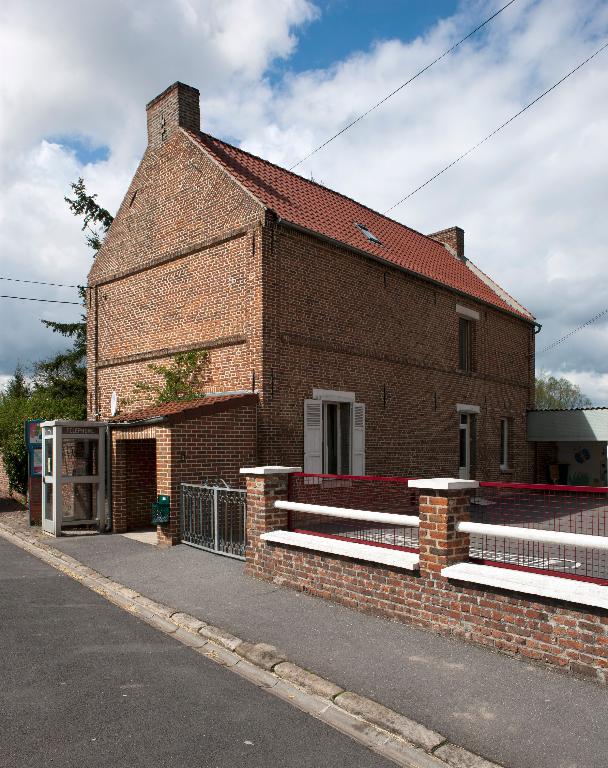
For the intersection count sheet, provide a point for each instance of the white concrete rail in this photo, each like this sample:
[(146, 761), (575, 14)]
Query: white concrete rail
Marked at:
[(395, 558), (570, 590), (535, 534), (349, 514)]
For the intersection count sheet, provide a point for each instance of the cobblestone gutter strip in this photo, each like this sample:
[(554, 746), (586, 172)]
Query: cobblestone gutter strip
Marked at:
[(389, 733)]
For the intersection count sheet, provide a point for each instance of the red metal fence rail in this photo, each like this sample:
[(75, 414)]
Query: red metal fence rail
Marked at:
[(569, 509), (372, 494)]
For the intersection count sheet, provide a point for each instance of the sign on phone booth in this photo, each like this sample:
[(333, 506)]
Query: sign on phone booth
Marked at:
[(33, 442), (73, 474)]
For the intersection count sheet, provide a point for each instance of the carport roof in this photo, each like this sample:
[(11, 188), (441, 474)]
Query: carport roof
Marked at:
[(567, 425), (172, 411)]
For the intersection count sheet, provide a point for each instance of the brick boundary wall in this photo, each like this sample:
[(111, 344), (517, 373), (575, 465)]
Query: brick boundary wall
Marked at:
[(570, 636)]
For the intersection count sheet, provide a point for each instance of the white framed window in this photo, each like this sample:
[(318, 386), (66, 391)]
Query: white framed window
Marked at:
[(337, 434), (504, 444), (334, 435)]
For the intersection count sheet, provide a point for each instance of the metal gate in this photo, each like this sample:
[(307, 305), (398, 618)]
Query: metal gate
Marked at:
[(213, 518)]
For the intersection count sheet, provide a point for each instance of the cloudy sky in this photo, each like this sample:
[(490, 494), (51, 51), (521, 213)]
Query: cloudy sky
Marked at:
[(277, 77)]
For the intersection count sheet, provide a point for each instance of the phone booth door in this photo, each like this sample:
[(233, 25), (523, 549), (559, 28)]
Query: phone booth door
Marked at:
[(50, 509)]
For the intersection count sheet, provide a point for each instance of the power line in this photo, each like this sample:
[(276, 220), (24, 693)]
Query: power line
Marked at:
[(38, 282), (500, 127), (573, 331), (48, 301), (407, 82)]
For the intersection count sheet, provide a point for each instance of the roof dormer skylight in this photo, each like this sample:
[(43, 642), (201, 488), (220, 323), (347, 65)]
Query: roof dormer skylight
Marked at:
[(370, 235)]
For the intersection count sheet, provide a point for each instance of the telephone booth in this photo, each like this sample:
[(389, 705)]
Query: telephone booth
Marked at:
[(73, 461)]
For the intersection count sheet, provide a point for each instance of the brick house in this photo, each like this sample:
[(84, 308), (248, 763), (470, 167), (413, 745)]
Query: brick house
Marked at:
[(372, 348)]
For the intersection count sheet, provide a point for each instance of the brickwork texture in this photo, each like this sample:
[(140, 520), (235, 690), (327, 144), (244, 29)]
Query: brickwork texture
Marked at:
[(194, 261), (150, 460), (572, 637)]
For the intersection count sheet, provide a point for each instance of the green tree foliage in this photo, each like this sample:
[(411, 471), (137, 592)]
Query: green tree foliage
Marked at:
[(65, 374), (21, 400), (552, 392), (180, 380), (58, 388), (96, 220)]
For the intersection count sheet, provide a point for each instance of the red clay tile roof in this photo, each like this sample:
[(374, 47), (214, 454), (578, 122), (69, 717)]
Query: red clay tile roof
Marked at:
[(209, 402), (314, 207)]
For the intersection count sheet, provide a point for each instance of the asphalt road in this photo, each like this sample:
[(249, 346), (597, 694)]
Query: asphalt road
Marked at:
[(85, 684), (511, 712)]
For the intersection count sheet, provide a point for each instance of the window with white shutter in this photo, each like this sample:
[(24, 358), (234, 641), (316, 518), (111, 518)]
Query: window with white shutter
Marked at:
[(334, 436), (358, 466), (313, 436)]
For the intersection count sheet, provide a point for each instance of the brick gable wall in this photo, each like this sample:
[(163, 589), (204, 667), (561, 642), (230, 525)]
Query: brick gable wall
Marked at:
[(337, 320), (179, 270)]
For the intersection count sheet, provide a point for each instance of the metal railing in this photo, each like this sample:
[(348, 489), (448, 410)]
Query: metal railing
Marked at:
[(558, 530), (213, 518), (379, 511)]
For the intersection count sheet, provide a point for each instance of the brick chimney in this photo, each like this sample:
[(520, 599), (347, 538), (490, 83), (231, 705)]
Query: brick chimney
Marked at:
[(176, 107), (453, 239)]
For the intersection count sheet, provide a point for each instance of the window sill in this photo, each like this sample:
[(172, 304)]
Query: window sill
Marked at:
[(556, 587), (395, 558)]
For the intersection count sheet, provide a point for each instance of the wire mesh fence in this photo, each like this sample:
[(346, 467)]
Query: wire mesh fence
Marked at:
[(550, 508), (371, 494)]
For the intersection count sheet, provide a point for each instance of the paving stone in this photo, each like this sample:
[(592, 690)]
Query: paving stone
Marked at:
[(188, 638), (307, 702), (307, 680), (187, 622), (462, 758), (158, 608), (255, 674), (389, 720), (218, 654), (163, 624), (220, 637), (260, 654)]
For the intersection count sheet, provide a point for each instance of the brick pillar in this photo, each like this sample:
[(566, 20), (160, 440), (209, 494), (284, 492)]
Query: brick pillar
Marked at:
[(167, 483), (443, 503), (265, 485), (119, 485)]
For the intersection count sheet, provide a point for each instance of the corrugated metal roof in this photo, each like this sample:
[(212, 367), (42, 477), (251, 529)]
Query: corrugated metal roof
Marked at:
[(568, 425), (567, 410)]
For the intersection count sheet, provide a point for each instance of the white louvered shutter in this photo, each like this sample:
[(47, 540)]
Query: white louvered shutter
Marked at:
[(313, 440), (358, 439)]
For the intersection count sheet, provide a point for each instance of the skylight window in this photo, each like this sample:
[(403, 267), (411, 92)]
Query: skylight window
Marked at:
[(370, 235)]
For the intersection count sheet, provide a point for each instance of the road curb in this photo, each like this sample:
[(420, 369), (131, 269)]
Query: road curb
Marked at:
[(379, 728)]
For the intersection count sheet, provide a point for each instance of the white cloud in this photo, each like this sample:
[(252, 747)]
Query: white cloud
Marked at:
[(531, 200), (67, 71)]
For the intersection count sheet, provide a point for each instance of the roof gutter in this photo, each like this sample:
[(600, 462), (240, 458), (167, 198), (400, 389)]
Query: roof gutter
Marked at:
[(386, 262)]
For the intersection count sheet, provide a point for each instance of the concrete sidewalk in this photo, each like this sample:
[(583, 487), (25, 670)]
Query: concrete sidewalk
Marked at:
[(511, 712)]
